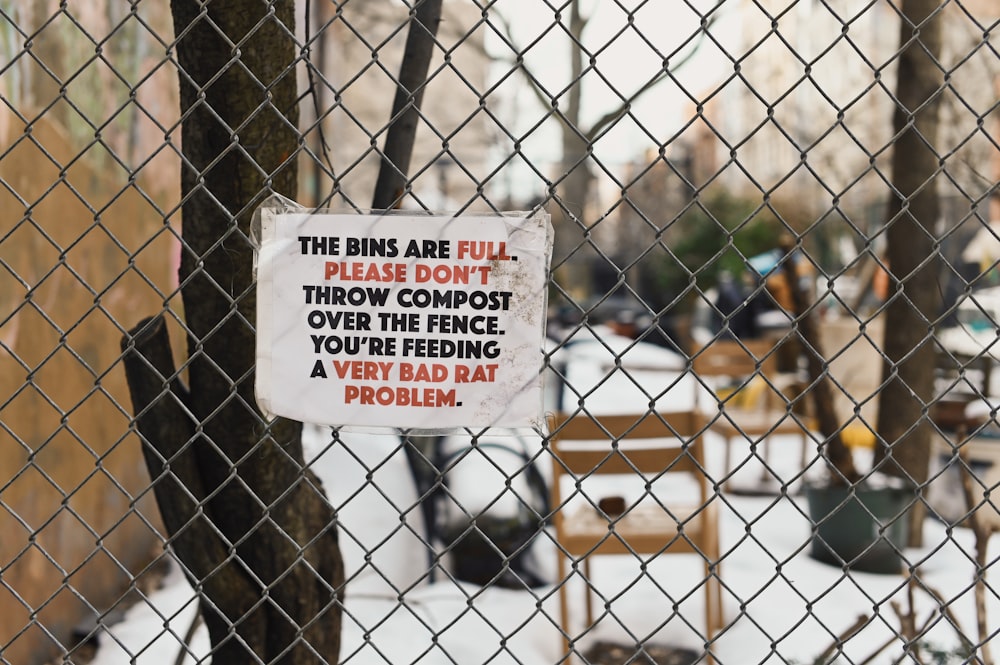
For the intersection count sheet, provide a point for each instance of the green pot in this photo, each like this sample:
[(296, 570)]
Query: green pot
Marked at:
[(859, 528)]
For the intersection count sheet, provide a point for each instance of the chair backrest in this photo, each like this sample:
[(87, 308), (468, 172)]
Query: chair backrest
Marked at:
[(751, 370), (725, 357), (667, 518), (648, 443)]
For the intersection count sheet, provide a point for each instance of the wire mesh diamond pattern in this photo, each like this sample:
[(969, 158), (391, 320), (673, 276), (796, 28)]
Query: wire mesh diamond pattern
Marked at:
[(777, 217)]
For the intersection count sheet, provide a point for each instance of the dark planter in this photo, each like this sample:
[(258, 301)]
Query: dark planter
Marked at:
[(493, 551), (861, 528)]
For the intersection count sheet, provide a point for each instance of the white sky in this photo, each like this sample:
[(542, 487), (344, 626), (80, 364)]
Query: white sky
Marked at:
[(627, 56)]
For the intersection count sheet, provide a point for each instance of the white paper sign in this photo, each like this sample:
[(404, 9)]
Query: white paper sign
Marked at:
[(409, 321)]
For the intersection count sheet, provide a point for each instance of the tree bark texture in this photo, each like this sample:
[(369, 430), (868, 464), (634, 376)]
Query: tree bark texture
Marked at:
[(401, 135), (912, 249), (252, 527)]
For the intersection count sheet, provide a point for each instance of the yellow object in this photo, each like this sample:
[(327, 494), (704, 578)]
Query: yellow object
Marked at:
[(745, 396), (858, 435), (855, 435), (758, 412)]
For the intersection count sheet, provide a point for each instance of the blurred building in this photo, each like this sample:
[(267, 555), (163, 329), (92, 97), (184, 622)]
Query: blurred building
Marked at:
[(808, 113)]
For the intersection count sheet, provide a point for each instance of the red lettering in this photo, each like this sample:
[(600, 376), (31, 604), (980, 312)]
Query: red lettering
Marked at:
[(389, 396), (483, 250), (362, 370), (477, 374), (423, 372), (362, 271)]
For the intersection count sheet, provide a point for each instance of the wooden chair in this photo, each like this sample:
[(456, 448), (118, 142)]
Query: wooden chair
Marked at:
[(749, 367), (646, 447)]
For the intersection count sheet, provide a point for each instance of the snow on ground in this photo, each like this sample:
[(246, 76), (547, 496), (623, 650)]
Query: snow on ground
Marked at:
[(781, 606)]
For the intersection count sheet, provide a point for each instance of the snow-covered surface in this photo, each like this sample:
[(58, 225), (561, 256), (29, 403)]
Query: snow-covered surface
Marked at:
[(610, 373), (780, 605), (791, 604), (976, 332)]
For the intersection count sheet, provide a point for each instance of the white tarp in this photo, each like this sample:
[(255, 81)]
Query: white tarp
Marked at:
[(401, 320)]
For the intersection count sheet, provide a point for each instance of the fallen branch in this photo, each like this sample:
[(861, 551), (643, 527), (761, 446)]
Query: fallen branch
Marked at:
[(982, 533), (410, 85), (843, 637)]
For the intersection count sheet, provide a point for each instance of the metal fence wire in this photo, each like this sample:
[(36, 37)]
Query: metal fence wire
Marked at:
[(778, 217)]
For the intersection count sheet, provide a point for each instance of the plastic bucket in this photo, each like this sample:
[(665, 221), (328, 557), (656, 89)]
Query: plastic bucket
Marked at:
[(861, 528)]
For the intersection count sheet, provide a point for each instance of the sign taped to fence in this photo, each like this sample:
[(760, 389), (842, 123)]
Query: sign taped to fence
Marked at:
[(417, 321)]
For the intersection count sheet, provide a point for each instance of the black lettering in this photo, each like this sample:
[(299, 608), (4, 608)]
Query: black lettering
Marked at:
[(399, 322), (463, 324), (422, 347), (432, 298), (322, 245), (372, 247), (338, 295), (428, 249)]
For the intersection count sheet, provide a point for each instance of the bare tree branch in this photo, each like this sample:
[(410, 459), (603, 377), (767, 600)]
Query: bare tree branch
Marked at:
[(543, 96), (400, 138), (613, 116)]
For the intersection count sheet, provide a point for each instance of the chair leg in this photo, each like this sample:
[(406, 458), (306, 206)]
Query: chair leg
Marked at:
[(713, 608), (563, 581), (765, 454), (719, 617), (589, 592), (726, 465)]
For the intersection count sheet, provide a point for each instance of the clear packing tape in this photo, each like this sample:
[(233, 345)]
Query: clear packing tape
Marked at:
[(410, 320)]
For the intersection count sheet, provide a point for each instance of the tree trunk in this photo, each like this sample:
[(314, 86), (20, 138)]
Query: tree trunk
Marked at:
[(914, 302), (251, 525)]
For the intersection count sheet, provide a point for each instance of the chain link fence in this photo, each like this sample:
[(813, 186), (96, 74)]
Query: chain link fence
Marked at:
[(778, 216)]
